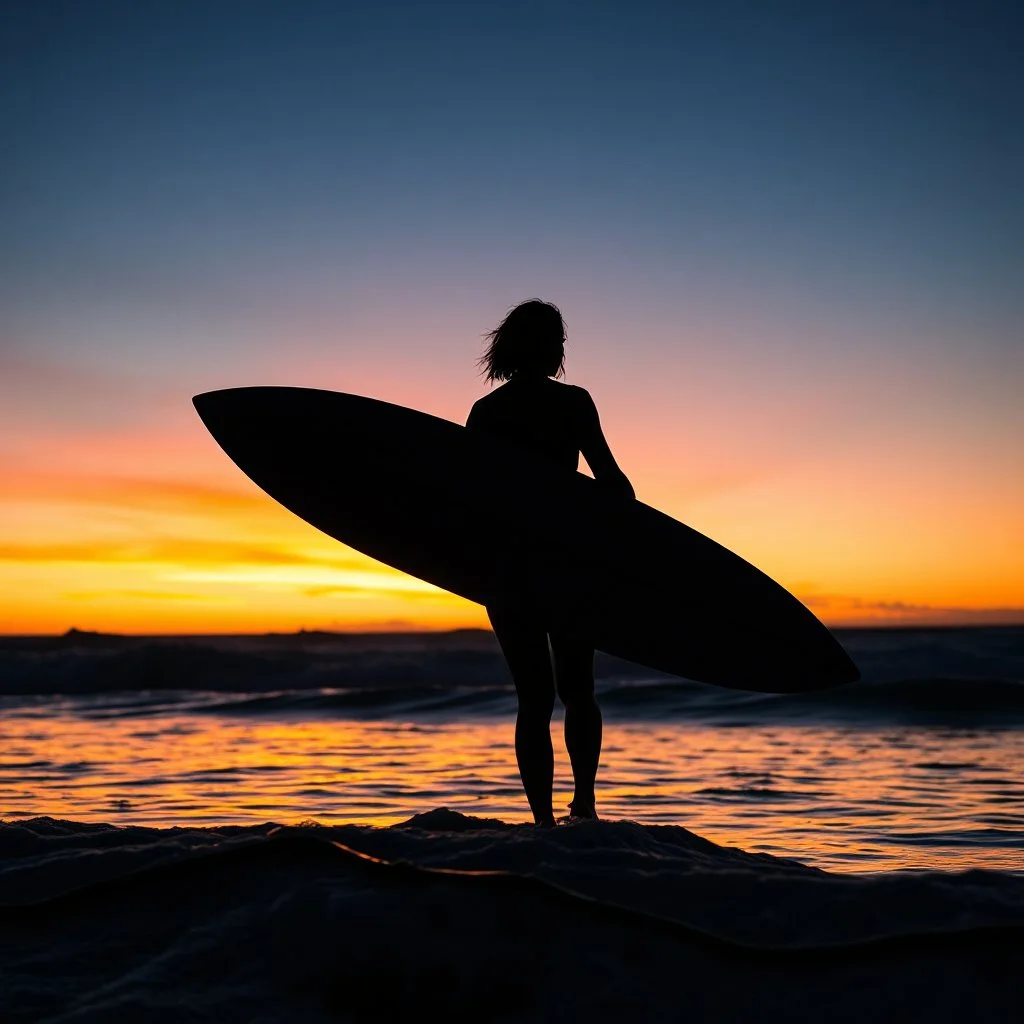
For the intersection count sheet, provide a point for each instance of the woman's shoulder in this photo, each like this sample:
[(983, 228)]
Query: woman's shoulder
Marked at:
[(486, 407), (479, 407), (579, 398), (569, 392), (506, 394)]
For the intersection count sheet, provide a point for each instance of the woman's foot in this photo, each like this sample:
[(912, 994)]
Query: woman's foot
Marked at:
[(581, 811)]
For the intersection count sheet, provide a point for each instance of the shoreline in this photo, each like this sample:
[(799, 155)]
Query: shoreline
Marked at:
[(475, 919)]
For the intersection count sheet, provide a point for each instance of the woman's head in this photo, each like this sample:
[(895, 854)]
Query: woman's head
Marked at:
[(531, 339)]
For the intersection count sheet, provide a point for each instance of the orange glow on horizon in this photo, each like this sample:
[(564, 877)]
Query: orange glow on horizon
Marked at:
[(156, 532)]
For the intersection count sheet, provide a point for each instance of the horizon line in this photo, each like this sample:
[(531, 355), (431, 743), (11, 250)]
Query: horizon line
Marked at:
[(73, 631)]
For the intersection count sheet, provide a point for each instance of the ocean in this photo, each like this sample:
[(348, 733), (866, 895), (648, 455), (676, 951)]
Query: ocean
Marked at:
[(320, 828), (916, 767)]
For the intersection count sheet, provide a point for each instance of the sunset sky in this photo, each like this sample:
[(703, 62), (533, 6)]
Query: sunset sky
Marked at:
[(788, 241)]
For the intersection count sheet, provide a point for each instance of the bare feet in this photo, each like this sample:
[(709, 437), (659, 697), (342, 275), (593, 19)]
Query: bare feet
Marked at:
[(580, 811)]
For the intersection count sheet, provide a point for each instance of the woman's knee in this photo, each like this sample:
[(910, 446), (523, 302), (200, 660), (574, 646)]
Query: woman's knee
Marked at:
[(573, 669), (576, 690), (536, 706)]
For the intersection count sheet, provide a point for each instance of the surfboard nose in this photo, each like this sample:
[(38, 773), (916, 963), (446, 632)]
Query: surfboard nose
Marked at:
[(232, 415), (209, 403), (205, 405)]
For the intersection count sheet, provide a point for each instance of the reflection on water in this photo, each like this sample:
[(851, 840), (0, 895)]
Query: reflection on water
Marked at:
[(841, 798)]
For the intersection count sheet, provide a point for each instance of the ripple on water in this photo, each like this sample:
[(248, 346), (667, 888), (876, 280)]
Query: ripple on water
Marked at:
[(838, 796)]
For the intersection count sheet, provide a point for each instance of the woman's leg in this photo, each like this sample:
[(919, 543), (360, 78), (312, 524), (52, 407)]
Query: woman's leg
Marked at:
[(574, 674), (525, 646)]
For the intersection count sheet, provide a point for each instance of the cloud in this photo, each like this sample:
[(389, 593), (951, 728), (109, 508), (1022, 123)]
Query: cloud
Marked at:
[(132, 492), (895, 606), (842, 609), (168, 550), (146, 595), (925, 614), (378, 626), (406, 593)]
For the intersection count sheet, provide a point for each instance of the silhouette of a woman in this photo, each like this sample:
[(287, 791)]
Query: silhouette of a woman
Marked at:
[(557, 422)]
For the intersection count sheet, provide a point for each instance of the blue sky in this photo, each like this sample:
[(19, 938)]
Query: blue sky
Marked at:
[(777, 230), (809, 151)]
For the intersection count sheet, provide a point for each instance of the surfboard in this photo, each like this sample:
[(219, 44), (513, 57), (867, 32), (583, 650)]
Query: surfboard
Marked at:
[(496, 524)]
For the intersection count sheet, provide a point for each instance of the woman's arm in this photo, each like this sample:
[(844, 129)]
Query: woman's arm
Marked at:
[(596, 451)]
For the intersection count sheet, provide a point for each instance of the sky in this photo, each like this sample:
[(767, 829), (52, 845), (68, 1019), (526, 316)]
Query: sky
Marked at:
[(787, 238)]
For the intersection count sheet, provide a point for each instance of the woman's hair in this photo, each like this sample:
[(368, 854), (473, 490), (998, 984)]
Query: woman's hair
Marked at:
[(531, 339)]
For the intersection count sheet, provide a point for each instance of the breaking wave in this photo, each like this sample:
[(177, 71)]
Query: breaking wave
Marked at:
[(955, 676)]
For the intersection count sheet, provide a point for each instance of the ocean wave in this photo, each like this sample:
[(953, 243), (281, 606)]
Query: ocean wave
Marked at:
[(230, 666), (477, 919), (962, 677)]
